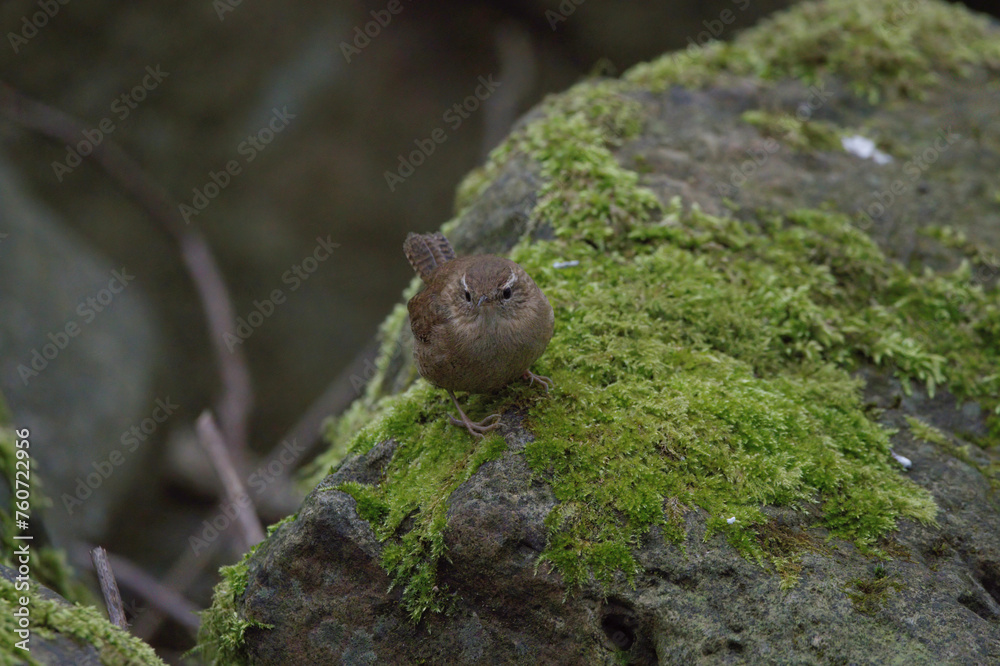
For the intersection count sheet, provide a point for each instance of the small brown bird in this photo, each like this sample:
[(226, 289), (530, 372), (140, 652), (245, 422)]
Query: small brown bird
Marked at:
[(478, 325)]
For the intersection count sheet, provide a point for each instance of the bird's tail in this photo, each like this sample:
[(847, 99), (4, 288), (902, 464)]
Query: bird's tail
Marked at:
[(426, 252)]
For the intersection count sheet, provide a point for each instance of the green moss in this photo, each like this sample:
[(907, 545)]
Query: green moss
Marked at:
[(370, 505), (84, 624), (591, 118), (700, 360), (927, 432), (881, 46), (784, 548), (798, 134), (431, 461), (222, 633), (868, 595), (9, 602), (712, 368)]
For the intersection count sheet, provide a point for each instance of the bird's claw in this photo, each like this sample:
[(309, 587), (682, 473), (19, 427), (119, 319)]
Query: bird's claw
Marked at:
[(544, 381), (478, 429)]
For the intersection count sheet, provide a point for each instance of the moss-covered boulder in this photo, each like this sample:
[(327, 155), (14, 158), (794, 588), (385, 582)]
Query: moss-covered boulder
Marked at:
[(775, 431)]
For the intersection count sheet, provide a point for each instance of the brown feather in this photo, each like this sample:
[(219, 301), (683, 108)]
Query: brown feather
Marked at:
[(423, 315), (427, 252)]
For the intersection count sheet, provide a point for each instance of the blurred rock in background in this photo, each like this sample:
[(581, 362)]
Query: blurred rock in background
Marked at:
[(80, 349)]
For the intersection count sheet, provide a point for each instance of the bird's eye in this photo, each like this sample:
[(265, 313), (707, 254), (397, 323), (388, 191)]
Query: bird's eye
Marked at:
[(506, 292), (468, 297)]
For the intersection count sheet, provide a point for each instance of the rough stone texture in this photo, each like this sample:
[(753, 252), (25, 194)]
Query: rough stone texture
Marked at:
[(317, 579), (695, 145)]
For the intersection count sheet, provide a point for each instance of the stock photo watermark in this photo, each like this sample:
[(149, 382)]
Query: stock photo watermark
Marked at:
[(121, 107), (883, 200), (249, 149), (130, 440), (38, 20), (562, 13), (21, 556), (714, 29), (363, 35), (294, 277), (741, 173), (457, 114), (258, 481), (817, 97), (87, 311), (898, 13)]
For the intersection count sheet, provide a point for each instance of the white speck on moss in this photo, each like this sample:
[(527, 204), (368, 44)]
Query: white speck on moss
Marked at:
[(902, 460), (864, 148)]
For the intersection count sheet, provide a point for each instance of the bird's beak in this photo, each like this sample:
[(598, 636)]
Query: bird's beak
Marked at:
[(481, 299)]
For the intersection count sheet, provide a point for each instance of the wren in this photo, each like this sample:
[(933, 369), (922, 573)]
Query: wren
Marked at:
[(478, 325)]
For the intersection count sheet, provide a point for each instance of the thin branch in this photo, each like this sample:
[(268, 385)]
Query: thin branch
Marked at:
[(109, 588), (162, 597), (236, 494), (236, 398), (175, 605)]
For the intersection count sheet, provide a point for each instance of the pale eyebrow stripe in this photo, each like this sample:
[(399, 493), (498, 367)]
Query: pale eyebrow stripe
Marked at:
[(511, 281), (464, 283)]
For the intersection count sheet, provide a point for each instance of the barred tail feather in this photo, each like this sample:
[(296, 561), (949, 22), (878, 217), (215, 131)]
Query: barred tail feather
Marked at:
[(426, 252)]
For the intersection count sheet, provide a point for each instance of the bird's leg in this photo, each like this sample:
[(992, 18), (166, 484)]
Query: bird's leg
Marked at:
[(475, 429), (544, 381)]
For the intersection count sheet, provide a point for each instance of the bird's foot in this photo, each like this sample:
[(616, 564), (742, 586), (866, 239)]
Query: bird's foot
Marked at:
[(475, 429), (544, 381)]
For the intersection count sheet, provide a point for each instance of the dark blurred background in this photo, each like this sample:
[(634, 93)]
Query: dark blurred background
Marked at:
[(184, 87)]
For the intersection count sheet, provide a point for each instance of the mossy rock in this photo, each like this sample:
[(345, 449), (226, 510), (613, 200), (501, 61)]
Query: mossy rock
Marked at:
[(746, 346), (62, 633)]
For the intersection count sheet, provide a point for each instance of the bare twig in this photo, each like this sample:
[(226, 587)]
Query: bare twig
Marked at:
[(163, 598), (175, 605), (236, 494), (236, 399), (109, 588)]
